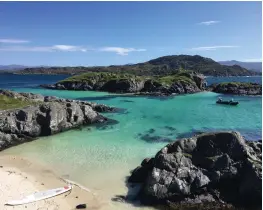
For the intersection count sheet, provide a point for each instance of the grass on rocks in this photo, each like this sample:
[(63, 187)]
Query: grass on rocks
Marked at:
[(13, 103)]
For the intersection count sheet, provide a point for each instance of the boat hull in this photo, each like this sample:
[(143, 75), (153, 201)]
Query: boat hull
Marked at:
[(234, 103)]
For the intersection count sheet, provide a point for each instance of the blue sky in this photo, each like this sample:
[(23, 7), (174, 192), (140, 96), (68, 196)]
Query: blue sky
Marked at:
[(106, 33)]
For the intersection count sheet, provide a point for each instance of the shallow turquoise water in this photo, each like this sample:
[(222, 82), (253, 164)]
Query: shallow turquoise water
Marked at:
[(101, 158)]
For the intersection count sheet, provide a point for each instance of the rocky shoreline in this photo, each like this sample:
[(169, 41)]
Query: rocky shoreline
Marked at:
[(48, 116), (181, 83), (210, 169), (237, 88)]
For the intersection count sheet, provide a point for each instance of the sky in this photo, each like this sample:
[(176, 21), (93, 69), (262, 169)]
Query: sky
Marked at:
[(113, 33)]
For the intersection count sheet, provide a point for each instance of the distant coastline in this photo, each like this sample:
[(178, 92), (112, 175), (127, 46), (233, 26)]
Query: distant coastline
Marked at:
[(164, 65)]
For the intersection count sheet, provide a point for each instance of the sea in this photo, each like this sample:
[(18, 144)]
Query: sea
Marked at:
[(101, 157)]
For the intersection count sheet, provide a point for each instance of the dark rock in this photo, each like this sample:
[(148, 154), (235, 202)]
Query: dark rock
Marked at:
[(140, 173), (128, 101), (236, 88), (151, 86), (214, 168), (151, 139), (123, 86), (170, 128), (81, 206)]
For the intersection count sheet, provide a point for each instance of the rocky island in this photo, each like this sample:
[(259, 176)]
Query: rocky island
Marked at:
[(182, 82), (179, 83), (237, 88), (210, 169), (26, 116)]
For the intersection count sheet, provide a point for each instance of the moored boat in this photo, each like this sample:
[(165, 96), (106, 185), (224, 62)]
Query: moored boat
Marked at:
[(231, 102)]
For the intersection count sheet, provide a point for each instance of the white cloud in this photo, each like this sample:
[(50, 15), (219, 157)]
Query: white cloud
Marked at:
[(120, 50), (68, 48), (210, 22), (253, 60), (212, 48), (13, 41), (61, 48)]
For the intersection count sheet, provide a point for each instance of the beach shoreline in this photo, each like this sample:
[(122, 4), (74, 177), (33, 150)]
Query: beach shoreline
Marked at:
[(21, 177)]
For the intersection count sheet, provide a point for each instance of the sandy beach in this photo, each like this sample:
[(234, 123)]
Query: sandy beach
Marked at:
[(20, 177)]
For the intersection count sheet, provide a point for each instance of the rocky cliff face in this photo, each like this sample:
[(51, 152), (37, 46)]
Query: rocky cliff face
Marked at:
[(51, 115), (216, 168), (237, 88), (145, 86)]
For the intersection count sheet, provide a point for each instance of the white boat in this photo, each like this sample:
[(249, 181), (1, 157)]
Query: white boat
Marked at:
[(40, 196)]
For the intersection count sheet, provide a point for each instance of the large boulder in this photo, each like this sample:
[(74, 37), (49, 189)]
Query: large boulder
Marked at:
[(218, 167)]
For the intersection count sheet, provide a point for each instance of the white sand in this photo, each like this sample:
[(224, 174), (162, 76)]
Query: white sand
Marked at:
[(20, 177)]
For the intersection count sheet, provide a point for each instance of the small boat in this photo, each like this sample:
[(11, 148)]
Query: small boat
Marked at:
[(233, 103), (40, 196)]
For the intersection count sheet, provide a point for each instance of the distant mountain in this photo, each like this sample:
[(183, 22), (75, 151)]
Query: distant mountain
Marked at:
[(165, 65), (255, 66), (12, 67)]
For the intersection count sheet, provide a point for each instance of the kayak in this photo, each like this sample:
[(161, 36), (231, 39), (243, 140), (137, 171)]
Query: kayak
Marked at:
[(233, 103), (40, 196)]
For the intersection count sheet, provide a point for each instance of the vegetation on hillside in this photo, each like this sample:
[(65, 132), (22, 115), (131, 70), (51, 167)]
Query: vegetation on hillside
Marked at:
[(12, 103), (100, 76), (174, 78), (105, 76), (165, 65)]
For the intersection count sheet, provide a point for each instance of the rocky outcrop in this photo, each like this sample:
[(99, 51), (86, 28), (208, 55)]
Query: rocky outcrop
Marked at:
[(140, 86), (214, 168), (123, 86), (48, 116), (237, 88)]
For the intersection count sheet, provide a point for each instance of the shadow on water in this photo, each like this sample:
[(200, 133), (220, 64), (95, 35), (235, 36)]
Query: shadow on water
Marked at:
[(248, 134), (132, 195), (170, 134), (127, 101), (164, 134), (109, 124), (97, 98), (109, 97)]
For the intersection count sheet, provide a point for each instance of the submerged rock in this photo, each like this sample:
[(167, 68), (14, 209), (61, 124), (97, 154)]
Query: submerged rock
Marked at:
[(48, 116), (219, 167)]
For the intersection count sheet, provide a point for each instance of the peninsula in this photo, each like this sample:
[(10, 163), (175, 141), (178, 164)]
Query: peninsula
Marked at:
[(26, 116)]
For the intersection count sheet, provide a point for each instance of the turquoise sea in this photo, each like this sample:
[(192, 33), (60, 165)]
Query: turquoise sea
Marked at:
[(101, 157)]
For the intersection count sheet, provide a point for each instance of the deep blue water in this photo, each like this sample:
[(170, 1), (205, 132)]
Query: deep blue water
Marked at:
[(9, 81)]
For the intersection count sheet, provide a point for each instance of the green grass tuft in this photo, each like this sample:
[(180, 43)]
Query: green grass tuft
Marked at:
[(12, 103), (174, 78)]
